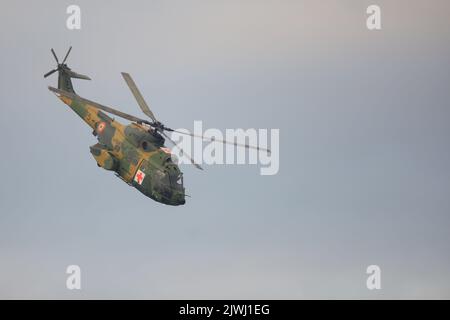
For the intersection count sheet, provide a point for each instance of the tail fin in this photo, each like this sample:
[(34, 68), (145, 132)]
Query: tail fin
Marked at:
[(64, 78), (65, 73)]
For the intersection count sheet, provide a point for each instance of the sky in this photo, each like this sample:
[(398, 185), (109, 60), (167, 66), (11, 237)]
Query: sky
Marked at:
[(364, 173)]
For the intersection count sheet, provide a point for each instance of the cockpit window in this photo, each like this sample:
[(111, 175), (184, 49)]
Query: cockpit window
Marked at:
[(175, 176), (176, 181)]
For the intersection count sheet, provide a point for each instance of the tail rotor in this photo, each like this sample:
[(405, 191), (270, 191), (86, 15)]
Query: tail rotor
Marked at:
[(65, 73), (59, 66)]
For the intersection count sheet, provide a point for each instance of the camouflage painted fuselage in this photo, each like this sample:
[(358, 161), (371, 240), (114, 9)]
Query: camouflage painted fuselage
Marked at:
[(134, 152)]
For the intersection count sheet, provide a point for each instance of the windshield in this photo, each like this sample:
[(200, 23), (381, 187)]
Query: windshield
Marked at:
[(180, 179), (176, 181)]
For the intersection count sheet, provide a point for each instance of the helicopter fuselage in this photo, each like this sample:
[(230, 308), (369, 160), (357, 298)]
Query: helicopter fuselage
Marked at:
[(135, 152)]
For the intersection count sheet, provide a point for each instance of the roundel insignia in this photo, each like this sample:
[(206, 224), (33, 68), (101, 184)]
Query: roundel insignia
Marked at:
[(100, 127)]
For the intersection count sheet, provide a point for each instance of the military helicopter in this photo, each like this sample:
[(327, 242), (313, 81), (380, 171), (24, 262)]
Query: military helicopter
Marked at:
[(135, 152)]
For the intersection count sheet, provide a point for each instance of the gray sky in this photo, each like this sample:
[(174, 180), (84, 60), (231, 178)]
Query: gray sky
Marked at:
[(364, 161)]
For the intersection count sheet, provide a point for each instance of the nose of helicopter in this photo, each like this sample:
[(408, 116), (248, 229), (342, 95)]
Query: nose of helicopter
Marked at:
[(178, 198)]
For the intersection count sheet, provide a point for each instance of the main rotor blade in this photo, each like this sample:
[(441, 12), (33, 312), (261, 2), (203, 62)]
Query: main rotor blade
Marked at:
[(54, 54), (99, 106), (67, 54), (184, 152), (138, 96), (221, 141), (50, 72)]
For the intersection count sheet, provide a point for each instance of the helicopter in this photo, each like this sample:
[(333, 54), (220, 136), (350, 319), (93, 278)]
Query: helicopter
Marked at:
[(136, 152)]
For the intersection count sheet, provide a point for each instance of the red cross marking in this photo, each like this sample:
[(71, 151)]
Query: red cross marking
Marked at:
[(139, 177)]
